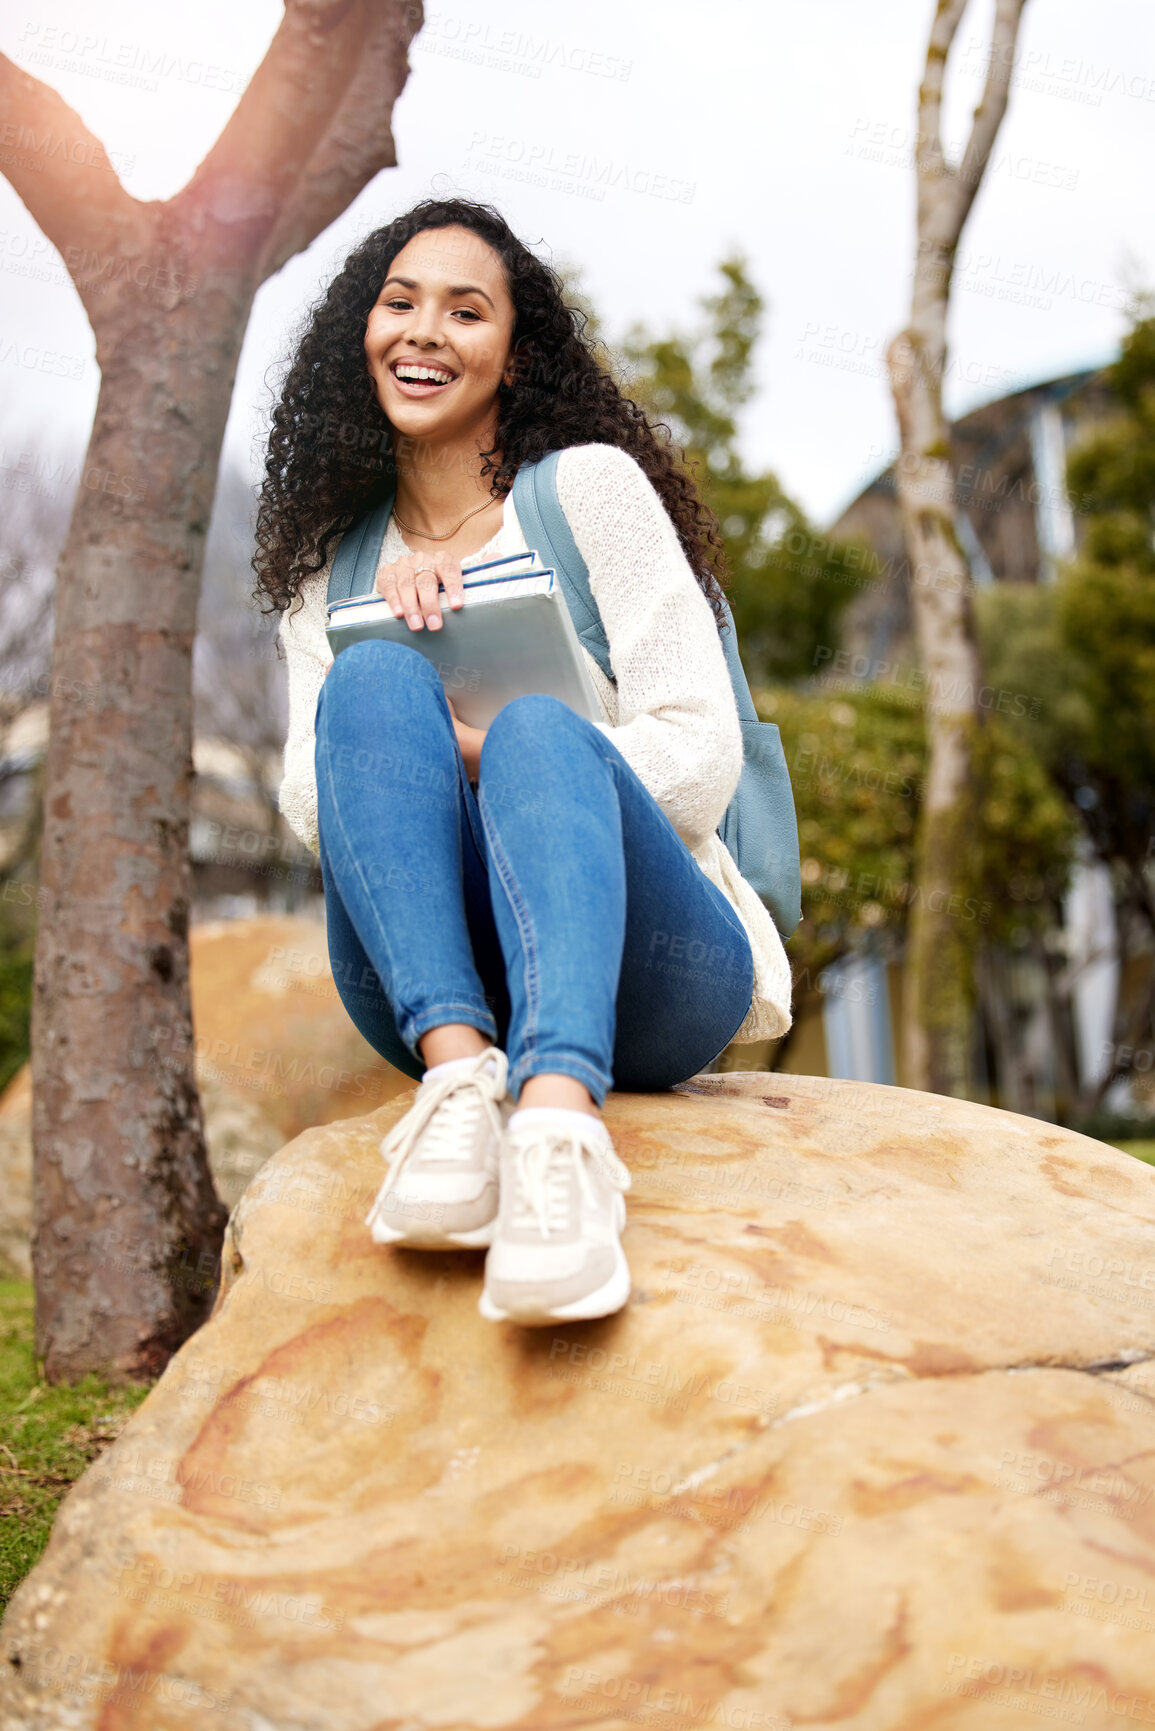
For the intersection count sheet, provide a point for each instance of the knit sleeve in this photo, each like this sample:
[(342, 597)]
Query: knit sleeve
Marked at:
[(678, 725), (309, 658)]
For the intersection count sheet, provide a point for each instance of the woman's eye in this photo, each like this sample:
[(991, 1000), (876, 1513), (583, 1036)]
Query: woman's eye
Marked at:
[(400, 305)]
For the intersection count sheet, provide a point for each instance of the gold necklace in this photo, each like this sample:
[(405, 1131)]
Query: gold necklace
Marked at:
[(424, 533)]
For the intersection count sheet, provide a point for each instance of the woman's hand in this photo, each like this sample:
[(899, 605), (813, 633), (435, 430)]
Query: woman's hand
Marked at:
[(470, 740), (411, 587)]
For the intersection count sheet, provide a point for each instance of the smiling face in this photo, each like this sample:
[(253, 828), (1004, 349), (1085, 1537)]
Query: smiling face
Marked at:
[(438, 339)]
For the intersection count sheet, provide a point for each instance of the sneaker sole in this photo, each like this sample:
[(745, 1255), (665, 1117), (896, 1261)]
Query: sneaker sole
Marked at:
[(477, 1238), (611, 1296)]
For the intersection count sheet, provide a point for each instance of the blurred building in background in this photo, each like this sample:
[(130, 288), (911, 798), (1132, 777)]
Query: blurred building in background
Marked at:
[(1015, 517), (245, 860)]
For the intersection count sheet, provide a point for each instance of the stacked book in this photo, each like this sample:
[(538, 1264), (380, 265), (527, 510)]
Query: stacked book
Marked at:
[(513, 637)]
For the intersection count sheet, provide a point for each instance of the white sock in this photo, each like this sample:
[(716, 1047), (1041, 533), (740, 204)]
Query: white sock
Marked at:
[(450, 1065), (527, 1116)]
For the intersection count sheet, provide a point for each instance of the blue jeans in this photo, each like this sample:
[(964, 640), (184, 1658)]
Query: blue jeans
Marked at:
[(557, 911)]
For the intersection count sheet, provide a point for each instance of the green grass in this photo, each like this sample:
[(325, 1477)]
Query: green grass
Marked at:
[(1141, 1150), (48, 1435)]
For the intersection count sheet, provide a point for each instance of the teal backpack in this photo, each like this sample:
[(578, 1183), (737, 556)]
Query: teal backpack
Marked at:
[(759, 829)]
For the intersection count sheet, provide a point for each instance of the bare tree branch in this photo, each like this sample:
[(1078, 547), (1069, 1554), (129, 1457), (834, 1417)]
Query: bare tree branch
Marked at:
[(942, 214), (931, 158), (359, 142), (64, 176), (286, 110), (310, 131), (988, 116)]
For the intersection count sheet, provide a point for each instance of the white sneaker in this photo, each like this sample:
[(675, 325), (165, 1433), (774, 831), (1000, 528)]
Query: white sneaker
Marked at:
[(442, 1185), (556, 1254)]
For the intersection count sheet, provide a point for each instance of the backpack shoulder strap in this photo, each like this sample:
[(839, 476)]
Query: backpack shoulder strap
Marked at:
[(546, 531), (759, 827), (540, 514), (741, 685), (355, 561)]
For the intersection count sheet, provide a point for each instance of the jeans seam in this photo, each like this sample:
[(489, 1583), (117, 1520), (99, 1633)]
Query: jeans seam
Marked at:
[(726, 911), (524, 926), (351, 855), (744, 1013)]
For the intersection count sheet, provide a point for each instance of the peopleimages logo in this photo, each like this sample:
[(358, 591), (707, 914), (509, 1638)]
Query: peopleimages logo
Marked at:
[(992, 1681), (476, 40), (136, 64), (735, 1506), (650, 1380), (557, 1576), (639, 1697), (596, 173)]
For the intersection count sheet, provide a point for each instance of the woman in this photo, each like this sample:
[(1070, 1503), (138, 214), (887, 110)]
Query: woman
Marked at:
[(528, 915)]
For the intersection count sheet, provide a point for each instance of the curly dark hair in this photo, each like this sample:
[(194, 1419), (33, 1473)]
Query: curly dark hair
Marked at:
[(330, 452)]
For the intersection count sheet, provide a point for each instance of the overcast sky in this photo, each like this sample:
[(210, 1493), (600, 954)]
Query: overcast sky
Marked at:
[(647, 142)]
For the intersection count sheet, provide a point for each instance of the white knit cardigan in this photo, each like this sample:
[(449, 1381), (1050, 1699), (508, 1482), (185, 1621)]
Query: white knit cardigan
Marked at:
[(671, 713)]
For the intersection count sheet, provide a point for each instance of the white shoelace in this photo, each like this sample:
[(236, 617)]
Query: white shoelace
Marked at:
[(444, 1116), (541, 1168)]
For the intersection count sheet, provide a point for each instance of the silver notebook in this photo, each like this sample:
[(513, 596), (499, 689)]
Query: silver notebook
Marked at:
[(512, 638)]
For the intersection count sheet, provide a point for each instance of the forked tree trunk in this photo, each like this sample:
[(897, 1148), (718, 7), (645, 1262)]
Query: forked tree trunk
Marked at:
[(940, 960), (127, 1223)]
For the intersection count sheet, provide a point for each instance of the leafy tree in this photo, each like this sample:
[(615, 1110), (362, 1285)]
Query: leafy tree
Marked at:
[(1106, 620), (17, 939), (858, 764), (787, 585), (1088, 642), (1023, 652)]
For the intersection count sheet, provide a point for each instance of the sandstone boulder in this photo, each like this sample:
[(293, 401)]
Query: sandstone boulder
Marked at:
[(270, 1027), (872, 1448), (276, 1052)]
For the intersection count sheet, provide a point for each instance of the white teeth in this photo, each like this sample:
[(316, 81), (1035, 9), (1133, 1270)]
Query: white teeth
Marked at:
[(416, 373)]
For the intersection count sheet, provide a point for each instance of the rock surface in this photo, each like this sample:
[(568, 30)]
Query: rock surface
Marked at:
[(276, 1052), (872, 1448)]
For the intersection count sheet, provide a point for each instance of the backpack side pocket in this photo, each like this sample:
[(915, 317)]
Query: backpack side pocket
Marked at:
[(760, 829)]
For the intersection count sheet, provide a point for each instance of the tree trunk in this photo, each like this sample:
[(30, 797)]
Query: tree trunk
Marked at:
[(939, 994), (127, 1223), (940, 963), (126, 1270)]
